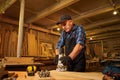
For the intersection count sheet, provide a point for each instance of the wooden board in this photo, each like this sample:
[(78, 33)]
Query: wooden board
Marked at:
[(76, 75), (47, 50), (23, 76), (32, 45), (55, 75), (20, 61)]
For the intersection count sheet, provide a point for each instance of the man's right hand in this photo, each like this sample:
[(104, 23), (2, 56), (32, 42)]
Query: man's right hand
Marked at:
[(56, 60)]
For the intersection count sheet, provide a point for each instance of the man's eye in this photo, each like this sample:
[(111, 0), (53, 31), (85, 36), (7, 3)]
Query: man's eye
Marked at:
[(63, 24)]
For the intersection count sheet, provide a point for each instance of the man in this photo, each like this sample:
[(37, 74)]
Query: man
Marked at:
[(73, 37)]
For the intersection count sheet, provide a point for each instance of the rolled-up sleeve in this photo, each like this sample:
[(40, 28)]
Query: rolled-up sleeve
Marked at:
[(81, 36), (60, 42)]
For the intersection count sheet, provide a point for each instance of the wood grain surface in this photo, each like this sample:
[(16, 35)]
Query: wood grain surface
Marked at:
[(55, 75)]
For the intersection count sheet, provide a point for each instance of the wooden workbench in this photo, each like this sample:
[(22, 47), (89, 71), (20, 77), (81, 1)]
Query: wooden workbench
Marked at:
[(55, 75)]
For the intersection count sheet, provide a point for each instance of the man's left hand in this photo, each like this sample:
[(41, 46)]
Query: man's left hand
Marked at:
[(66, 60)]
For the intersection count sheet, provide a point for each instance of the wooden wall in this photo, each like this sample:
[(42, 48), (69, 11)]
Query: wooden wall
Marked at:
[(35, 43), (103, 49)]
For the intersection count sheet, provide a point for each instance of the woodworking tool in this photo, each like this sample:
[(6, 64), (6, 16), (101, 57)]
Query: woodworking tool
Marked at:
[(44, 73), (60, 66)]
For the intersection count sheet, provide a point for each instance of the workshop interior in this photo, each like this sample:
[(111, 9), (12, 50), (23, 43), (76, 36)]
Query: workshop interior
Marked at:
[(29, 34)]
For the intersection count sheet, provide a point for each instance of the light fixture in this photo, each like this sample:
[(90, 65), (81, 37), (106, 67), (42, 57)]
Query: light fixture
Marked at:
[(58, 29), (114, 4), (91, 38), (115, 12)]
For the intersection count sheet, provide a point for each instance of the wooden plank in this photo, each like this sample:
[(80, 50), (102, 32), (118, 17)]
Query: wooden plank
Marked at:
[(23, 76), (20, 61), (15, 38), (13, 44), (76, 75), (32, 45), (38, 44), (22, 64), (25, 44), (54, 75), (0, 45), (10, 47)]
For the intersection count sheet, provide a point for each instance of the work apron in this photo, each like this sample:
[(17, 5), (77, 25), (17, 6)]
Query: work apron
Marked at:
[(78, 64)]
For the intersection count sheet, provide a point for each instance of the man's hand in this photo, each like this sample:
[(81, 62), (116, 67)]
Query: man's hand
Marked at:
[(66, 60), (56, 60)]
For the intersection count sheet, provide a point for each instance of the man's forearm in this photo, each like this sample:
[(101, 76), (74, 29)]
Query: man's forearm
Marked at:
[(77, 49), (57, 51)]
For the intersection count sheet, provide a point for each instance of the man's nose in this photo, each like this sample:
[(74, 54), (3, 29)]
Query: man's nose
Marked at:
[(63, 27)]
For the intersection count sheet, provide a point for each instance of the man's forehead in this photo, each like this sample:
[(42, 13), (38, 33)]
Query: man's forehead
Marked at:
[(66, 21)]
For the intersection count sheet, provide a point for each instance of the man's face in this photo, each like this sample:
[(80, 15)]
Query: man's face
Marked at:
[(67, 25)]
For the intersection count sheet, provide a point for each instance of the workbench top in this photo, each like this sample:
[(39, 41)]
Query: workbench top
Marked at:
[(55, 75)]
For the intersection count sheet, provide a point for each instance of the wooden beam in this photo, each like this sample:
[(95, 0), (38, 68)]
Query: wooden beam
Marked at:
[(104, 40), (102, 22), (5, 5), (106, 37), (106, 34), (96, 11), (10, 21), (44, 30), (59, 5), (78, 14), (111, 3), (51, 20), (102, 30), (7, 20), (74, 11)]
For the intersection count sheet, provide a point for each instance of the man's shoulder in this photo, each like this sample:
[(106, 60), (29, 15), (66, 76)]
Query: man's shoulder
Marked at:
[(79, 27)]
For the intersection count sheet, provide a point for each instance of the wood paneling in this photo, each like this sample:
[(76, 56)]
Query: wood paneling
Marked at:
[(32, 40), (32, 45)]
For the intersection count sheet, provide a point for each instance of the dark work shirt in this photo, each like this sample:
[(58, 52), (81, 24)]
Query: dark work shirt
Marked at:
[(78, 32)]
